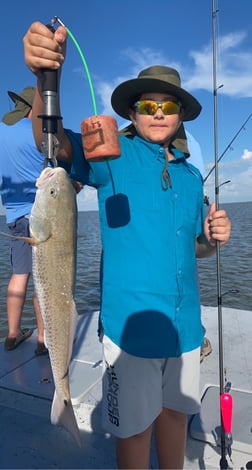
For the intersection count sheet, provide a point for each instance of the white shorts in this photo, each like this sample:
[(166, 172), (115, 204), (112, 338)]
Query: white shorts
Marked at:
[(136, 389)]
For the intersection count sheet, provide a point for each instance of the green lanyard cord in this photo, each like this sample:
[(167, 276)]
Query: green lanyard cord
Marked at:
[(86, 69)]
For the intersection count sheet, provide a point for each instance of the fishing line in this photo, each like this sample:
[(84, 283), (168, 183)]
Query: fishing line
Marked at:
[(229, 146), (91, 87), (86, 70), (56, 18)]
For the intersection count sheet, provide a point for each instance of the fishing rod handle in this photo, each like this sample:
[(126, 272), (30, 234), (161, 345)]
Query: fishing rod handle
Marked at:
[(50, 117), (49, 86)]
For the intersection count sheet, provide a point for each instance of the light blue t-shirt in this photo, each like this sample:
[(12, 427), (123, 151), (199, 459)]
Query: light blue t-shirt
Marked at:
[(20, 165), (150, 302)]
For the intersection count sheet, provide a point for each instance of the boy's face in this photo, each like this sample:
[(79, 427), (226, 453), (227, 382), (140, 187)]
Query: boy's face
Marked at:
[(159, 127)]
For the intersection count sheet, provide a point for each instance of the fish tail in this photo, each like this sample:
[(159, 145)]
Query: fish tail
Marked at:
[(62, 414)]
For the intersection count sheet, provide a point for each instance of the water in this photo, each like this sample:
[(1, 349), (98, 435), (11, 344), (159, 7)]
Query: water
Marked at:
[(236, 267), (235, 260)]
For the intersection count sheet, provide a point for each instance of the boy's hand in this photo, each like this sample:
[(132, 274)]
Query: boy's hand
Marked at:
[(217, 226), (44, 48)]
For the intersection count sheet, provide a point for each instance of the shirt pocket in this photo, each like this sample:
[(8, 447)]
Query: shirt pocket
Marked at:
[(142, 186)]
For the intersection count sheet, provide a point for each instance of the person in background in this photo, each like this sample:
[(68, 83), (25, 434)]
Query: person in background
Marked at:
[(20, 165), (152, 229)]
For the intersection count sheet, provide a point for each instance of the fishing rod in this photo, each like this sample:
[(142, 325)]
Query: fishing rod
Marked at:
[(228, 146), (226, 404)]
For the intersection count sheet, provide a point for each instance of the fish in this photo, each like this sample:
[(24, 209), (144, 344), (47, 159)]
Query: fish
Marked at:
[(53, 230)]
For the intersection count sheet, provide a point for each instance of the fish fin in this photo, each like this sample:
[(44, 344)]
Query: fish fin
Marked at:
[(29, 240), (62, 414)]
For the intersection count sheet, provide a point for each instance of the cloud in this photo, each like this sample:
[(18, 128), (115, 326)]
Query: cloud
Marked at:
[(234, 68), (239, 188), (235, 181), (247, 154), (87, 199)]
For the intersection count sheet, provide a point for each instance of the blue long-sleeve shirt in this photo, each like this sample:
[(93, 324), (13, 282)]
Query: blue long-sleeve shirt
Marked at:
[(150, 302)]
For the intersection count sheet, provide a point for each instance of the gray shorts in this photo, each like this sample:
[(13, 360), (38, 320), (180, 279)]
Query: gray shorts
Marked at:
[(20, 251), (136, 389)]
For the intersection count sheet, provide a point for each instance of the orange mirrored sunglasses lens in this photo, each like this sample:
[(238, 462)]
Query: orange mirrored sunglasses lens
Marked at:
[(150, 107)]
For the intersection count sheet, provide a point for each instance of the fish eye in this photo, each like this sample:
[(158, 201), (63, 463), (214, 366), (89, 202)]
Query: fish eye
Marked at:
[(53, 192)]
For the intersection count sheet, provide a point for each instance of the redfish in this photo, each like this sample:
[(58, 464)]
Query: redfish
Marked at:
[(53, 227)]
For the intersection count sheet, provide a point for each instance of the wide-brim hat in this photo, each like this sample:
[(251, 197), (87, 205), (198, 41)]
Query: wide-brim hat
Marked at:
[(23, 105), (156, 79)]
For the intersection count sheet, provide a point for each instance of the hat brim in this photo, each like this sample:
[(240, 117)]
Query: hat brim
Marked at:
[(18, 98), (123, 96), (20, 112)]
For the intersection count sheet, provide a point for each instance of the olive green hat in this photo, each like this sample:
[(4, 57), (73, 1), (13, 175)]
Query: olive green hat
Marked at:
[(23, 105), (156, 79)]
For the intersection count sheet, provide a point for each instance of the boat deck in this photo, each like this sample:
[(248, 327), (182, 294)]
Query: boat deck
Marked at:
[(28, 439)]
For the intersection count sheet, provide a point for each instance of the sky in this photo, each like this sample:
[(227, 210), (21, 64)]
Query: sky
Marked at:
[(118, 39)]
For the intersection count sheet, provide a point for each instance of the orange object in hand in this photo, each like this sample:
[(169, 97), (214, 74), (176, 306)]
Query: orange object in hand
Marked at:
[(100, 138)]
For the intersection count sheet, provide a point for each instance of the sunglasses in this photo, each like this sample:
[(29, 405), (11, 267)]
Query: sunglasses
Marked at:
[(150, 107)]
